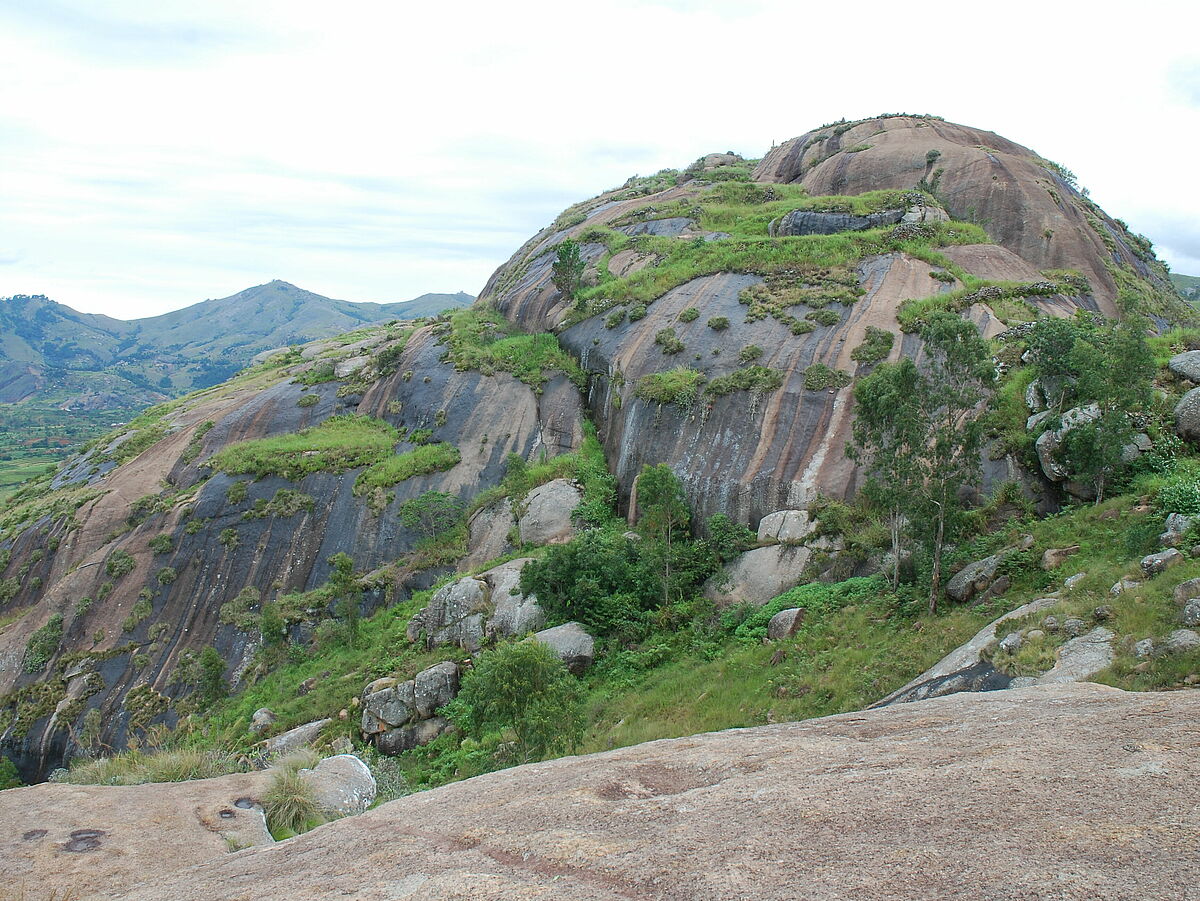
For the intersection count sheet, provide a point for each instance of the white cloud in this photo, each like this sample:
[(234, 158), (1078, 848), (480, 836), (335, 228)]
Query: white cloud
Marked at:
[(154, 153)]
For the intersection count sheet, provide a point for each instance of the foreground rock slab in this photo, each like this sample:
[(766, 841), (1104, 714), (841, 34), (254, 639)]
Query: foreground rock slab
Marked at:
[(1065, 791)]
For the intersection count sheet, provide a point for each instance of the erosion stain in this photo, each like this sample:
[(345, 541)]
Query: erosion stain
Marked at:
[(84, 840)]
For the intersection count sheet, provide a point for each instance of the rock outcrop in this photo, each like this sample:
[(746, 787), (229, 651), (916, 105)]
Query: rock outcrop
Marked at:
[(571, 644), (882, 805), (398, 716)]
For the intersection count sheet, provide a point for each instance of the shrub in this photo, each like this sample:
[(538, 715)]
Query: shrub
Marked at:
[(140, 610), (718, 323), (138, 768), (229, 538), (290, 804), (43, 644), (1179, 496), (691, 314), (637, 311), (615, 318), (749, 353), (336, 445), (523, 688), (818, 377), (166, 575), (119, 563), (875, 347), (823, 317), (82, 606), (667, 340), (680, 385), (161, 544), (236, 493), (322, 372), (759, 379), (434, 512), (308, 400)]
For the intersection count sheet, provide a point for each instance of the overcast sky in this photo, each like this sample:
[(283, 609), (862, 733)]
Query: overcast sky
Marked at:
[(154, 154)]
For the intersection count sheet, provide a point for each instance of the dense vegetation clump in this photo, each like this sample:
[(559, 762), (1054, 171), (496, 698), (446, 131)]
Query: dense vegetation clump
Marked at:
[(336, 445), (482, 340), (399, 467)]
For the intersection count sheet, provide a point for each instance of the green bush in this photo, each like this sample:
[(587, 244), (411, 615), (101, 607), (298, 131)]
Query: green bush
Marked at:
[(816, 599), (237, 492), (875, 347), (824, 317), (43, 644), (718, 323), (228, 538), (140, 610), (161, 544), (615, 318), (749, 353), (308, 400), (322, 372), (119, 563), (637, 311), (1179, 496), (752, 378), (166, 575), (524, 689), (818, 377), (680, 385), (691, 314), (667, 340)]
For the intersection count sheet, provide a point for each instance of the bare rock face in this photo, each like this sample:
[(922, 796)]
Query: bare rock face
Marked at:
[(974, 578), (656, 820), (389, 705), (414, 735), (804, 222), (548, 509), (294, 739), (759, 575), (98, 841), (1081, 657), (487, 534)]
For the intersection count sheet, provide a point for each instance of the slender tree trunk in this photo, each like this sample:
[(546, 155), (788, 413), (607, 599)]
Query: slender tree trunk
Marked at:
[(895, 528), (936, 581)]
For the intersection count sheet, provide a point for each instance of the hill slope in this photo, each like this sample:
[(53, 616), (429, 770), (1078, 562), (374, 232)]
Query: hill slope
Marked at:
[(725, 316)]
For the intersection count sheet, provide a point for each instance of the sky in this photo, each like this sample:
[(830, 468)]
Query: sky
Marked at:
[(155, 154)]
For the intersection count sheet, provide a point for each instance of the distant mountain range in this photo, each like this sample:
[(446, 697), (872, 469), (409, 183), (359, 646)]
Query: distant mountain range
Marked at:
[(54, 356), (1187, 285)]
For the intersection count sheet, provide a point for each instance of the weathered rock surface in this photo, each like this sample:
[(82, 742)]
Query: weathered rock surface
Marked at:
[(548, 509), (1081, 657), (806, 222), (1186, 365), (1049, 442), (488, 534), (1186, 590), (785, 623), (388, 704), (101, 841), (852, 802), (414, 735), (1190, 615), (759, 575), (571, 642), (785, 526), (1181, 640), (964, 668)]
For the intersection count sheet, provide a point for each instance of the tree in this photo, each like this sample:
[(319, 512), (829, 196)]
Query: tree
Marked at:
[(888, 434), (524, 688), (958, 372), (347, 591), (663, 517), (567, 271), (432, 513)]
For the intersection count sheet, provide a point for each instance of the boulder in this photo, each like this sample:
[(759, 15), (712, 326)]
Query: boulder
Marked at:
[(548, 509), (1154, 564), (785, 623), (571, 643), (1074, 626), (262, 720), (1011, 643), (412, 736), (1035, 398), (1187, 416), (1049, 442), (1190, 615), (488, 532), (346, 368), (388, 708), (974, 577), (1144, 648), (1126, 584), (1181, 640), (1081, 657), (342, 786), (513, 614), (294, 739), (1055, 557), (435, 687), (454, 615), (1186, 365), (1102, 614), (1071, 581), (759, 575), (1185, 591), (1175, 526), (785, 526)]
